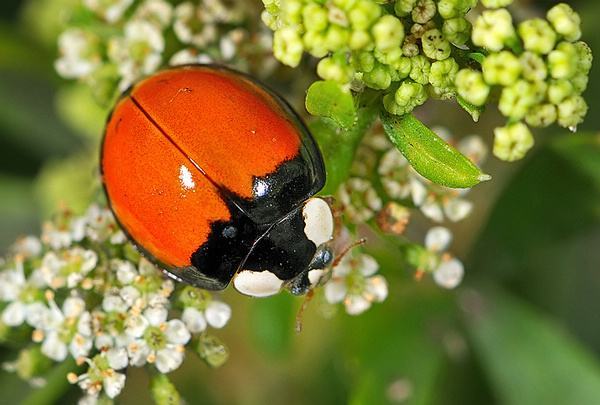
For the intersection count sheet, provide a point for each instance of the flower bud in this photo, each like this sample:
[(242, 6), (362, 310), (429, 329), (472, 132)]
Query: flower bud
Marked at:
[(541, 115), (501, 68), (558, 90), (512, 142), (457, 30), (287, 46), (388, 33), (402, 8), (533, 67), (423, 11), (378, 78), (493, 29), (212, 350), (163, 391), (562, 62), (471, 86), (571, 112), (496, 3), (364, 14), (565, 21), (420, 67), (435, 45), (516, 100), (314, 17), (537, 35), (443, 74)]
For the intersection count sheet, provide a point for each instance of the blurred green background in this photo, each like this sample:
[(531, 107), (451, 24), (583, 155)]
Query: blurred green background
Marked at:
[(524, 328)]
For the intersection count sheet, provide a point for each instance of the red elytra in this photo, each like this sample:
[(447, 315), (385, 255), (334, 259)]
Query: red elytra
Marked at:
[(199, 163)]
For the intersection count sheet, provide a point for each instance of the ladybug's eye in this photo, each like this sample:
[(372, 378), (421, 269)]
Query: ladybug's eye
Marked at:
[(229, 232)]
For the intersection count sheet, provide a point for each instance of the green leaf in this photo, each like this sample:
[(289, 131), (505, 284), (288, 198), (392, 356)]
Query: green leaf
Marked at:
[(529, 359), (328, 99), (429, 155), (477, 57), (473, 110), (338, 145)]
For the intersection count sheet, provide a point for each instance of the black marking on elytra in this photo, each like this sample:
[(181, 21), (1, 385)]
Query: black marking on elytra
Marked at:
[(284, 250), (228, 244)]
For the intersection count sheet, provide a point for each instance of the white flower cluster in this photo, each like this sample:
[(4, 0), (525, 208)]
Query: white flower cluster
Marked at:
[(399, 182), (116, 51), (384, 187), (110, 313)]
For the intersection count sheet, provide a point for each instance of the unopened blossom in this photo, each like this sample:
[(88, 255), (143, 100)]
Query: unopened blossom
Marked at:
[(355, 283), (565, 21), (493, 29), (512, 142)]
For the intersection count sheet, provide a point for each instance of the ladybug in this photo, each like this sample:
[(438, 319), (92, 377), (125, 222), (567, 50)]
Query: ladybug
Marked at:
[(213, 176)]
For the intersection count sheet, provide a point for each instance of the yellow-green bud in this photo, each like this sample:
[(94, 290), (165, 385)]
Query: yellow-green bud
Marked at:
[(516, 100), (402, 8), (562, 62), (493, 29), (565, 21), (512, 142), (287, 46), (388, 33), (212, 350), (420, 67), (443, 74), (163, 391), (360, 40), (457, 30), (558, 90), (378, 78), (584, 57), (363, 61), (541, 115), (435, 45), (471, 86), (364, 13), (571, 112), (533, 66), (537, 35), (314, 42), (314, 17), (501, 68), (336, 37), (496, 3), (335, 70), (423, 11)]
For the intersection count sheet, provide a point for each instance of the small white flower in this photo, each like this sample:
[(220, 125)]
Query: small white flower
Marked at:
[(217, 314), (161, 342), (80, 54), (110, 10), (158, 12), (354, 283), (27, 246), (139, 52), (447, 271), (190, 26), (194, 320), (100, 376)]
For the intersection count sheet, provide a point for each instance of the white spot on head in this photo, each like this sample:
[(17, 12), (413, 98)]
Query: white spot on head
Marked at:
[(318, 221), (257, 283), (185, 177), (315, 275)]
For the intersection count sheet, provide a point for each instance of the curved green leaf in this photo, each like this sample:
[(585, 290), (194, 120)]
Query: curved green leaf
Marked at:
[(429, 155), (328, 99)]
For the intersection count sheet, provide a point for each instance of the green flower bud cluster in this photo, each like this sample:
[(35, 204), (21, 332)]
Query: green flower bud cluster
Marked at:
[(541, 69), (406, 51)]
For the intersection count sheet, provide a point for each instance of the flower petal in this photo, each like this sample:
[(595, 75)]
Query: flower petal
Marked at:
[(217, 314), (168, 360), (194, 320), (438, 238), (449, 274), (176, 332)]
